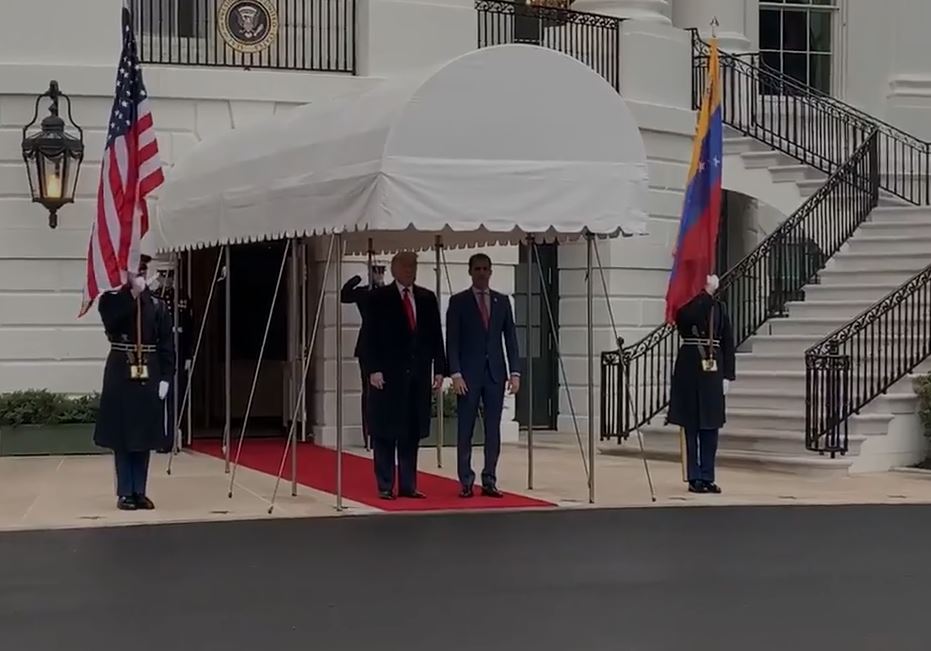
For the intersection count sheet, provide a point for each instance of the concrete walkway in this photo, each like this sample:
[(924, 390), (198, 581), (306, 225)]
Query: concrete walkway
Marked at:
[(65, 492)]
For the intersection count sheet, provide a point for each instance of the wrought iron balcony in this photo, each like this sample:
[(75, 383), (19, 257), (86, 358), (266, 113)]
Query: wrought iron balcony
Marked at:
[(302, 35)]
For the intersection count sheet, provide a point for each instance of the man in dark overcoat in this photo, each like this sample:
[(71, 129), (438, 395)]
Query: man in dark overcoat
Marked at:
[(353, 293), (131, 418), (705, 366), (405, 356)]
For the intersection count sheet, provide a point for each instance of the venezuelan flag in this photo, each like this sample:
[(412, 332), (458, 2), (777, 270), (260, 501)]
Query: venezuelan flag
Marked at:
[(694, 256)]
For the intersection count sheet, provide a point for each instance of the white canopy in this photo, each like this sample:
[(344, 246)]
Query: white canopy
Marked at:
[(495, 145)]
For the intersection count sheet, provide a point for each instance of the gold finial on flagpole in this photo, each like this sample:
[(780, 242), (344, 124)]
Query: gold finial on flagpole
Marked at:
[(714, 27)]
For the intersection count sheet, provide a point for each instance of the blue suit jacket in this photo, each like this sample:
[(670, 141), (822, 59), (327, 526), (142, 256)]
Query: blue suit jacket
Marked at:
[(470, 347)]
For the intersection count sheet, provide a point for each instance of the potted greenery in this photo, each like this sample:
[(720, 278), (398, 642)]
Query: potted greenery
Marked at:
[(922, 387), (450, 423), (39, 422)]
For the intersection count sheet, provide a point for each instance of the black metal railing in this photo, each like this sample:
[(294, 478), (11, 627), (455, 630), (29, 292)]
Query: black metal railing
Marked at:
[(635, 379), (810, 125), (311, 35), (593, 39), (864, 359)]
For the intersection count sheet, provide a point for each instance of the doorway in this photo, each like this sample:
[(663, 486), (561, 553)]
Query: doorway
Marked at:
[(253, 273), (543, 359)]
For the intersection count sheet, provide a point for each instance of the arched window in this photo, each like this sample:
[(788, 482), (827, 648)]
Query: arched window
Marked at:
[(797, 38)]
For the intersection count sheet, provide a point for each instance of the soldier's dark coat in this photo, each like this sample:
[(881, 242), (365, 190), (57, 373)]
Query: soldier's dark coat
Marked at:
[(131, 415), (697, 396)]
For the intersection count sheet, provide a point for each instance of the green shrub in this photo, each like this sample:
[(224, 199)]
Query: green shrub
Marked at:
[(42, 407), (449, 404), (923, 391)]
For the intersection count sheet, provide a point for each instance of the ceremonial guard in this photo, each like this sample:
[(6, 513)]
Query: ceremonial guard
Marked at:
[(703, 371), (352, 292), (163, 286), (136, 380)]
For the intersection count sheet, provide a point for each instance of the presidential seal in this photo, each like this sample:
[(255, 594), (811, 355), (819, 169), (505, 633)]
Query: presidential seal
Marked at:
[(248, 26)]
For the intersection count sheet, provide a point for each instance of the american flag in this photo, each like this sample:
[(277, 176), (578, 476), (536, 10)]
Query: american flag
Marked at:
[(130, 170)]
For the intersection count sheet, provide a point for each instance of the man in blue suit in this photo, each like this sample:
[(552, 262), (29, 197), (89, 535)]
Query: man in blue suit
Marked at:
[(479, 327)]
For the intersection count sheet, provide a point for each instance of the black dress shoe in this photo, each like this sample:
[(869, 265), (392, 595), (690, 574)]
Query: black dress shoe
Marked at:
[(143, 502), (126, 504), (412, 495), (466, 492), (491, 491), (697, 487), (386, 495), (711, 487)]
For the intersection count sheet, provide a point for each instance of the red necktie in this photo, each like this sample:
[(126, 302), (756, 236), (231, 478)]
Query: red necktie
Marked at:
[(409, 310), (483, 308)]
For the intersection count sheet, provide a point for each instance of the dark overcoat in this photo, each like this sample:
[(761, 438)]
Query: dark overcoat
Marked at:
[(407, 360), (132, 417), (697, 396), (360, 296)]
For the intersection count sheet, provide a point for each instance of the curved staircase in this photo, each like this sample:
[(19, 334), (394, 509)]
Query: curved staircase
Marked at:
[(858, 229)]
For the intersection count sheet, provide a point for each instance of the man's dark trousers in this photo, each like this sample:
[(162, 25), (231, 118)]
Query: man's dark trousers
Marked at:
[(491, 396), (132, 471), (700, 447), (405, 445)]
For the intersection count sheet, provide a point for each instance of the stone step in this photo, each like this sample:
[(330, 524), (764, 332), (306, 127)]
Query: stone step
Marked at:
[(812, 326), (772, 450), (828, 309), (904, 214), (852, 292), (893, 227), (833, 277), (794, 361), (767, 344), (788, 398), (768, 158), (794, 173), (900, 244), (906, 262), (740, 145)]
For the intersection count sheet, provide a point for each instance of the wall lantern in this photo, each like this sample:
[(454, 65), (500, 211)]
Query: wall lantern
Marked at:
[(53, 156)]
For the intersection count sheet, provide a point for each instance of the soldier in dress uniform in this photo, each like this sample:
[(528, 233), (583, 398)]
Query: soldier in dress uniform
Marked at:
[(704, 368), (137, 376), (351, 292)]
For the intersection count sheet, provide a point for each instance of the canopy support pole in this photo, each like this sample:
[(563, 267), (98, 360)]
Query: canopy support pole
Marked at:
[(590, 332), (227, 430), (307, 358), (531, 251), (292, 304), (190, 367), (440, 403), (304, 352), (258, 366), (176, 339), (200, 337), (562, 364), (339, 377), (627, 396)]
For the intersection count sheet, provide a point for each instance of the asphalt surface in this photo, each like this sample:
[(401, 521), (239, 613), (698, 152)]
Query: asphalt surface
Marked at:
[(748, 579)]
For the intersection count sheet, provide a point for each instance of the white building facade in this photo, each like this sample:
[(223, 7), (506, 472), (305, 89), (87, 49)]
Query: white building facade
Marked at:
[(327, 48)]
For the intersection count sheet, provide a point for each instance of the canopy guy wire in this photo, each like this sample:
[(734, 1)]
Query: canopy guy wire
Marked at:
[(562, 365), (200, 338), (604, 284), (307, 359), (258, 363)]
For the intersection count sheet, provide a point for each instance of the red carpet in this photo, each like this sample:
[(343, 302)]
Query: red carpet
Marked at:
[(316, 468)]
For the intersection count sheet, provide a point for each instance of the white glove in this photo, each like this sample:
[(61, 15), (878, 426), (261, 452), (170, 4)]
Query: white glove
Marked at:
[(727, 386), (138, 285), (163, 389), (711, 284)]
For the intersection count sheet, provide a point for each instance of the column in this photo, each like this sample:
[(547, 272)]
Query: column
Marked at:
[(656, 11), (738, 21), (909, 93)]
